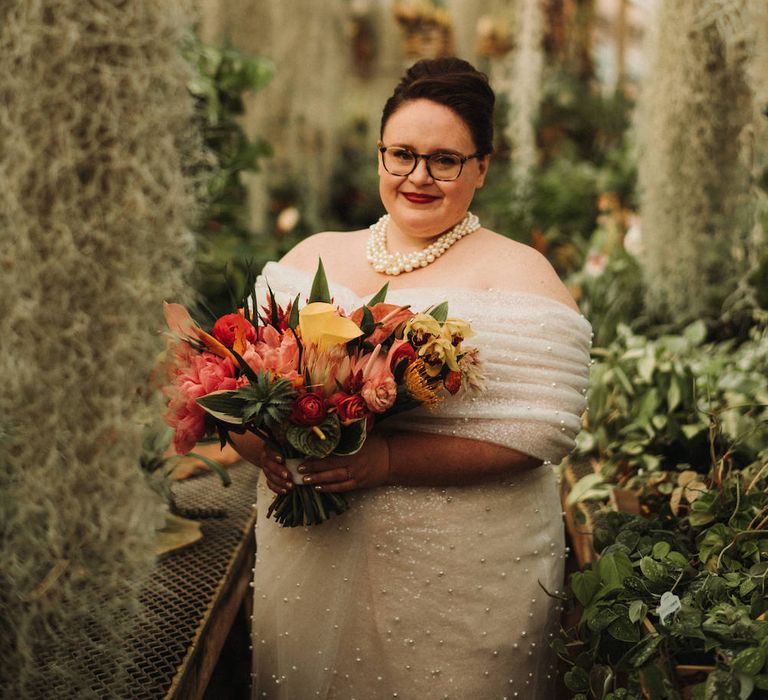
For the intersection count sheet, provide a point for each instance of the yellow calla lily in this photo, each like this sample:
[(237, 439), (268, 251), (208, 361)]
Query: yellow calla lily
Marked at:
[(321, 325)]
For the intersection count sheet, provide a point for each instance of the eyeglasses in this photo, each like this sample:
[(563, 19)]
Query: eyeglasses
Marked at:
[(440, 166)]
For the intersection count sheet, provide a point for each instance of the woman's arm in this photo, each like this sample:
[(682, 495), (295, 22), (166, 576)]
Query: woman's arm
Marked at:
[(415, 459)]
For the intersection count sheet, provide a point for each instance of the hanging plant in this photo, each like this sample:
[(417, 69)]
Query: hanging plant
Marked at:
[(427, 28)]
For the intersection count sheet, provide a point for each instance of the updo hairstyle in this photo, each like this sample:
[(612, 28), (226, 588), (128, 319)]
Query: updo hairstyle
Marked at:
[(455, 84)]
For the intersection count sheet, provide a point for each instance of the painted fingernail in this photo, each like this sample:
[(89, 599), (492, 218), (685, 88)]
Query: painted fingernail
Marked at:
[(279, 459), (307, 479), (285, 475), (301, 470), (318, 488)]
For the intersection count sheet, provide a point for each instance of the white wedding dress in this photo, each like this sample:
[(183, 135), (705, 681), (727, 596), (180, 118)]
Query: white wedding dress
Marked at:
[(421, 593)]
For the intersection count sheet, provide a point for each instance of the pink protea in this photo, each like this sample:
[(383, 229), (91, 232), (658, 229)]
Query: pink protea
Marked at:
[(327, 368)]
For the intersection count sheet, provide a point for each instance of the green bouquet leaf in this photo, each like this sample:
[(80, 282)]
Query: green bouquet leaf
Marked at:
[(352, 438), (309, 442), (226, 406)]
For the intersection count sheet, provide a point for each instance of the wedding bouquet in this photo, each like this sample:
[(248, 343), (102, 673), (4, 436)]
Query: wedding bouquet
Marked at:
[(310, 380)]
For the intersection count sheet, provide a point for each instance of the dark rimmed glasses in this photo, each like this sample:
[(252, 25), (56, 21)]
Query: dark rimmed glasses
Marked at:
[(402, 162)]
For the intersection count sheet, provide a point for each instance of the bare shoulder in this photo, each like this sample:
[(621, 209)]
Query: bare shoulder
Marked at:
[(518, 267), (331, 246)]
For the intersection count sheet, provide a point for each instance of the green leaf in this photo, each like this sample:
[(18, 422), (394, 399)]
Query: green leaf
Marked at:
[(577, 680), (696, 332), (746, 587), (674, 395), (352, 438), (652, 569), (226, 406), (293, 319), (623, 630), (215, 467), (750, 661), (660, 550), (367, 324), (613, 569), (646, 650), (624, 381), (693, 429), (308, 442), (583, 486), (601, 619), (439, 312), (653, 681), (645, 367), (320, 291), (637, 610), (721, 685), (678, 559), (380, 296), (274, 317), (584, 585)]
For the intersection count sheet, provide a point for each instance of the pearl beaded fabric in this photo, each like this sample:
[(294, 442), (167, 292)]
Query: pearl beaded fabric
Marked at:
[(395, 263), (434, 592)]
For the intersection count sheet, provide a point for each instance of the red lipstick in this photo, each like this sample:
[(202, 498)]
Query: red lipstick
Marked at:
[(418, 198)]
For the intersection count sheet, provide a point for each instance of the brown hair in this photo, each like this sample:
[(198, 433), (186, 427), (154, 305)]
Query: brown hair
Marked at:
[(455, 84)]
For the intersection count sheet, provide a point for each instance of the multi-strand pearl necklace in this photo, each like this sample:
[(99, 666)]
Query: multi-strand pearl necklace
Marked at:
[(394, 263)]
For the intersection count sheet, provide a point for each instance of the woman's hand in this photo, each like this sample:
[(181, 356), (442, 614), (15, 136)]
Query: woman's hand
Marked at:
[(270, 462), (364, 470)]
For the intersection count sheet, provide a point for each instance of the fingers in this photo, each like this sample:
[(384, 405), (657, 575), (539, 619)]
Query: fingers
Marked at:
[(330, 476), (278, 477)]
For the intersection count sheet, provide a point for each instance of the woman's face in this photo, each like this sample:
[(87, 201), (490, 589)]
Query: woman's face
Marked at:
[(420, 206)]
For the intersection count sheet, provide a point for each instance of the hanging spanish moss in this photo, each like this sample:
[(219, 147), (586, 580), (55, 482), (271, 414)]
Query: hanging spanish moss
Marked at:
[(300, 110), (697, 123), (524, 95), (94, 214)]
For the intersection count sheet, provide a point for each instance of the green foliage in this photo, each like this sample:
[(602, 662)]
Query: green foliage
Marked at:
[(222, 77), (611, 297), (652, 402), (717, 571)]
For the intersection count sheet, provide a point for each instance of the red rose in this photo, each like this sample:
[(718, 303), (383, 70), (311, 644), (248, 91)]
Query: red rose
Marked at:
[(225, 329), (350, 407), (309, 409), (452, 382), (403, 352)]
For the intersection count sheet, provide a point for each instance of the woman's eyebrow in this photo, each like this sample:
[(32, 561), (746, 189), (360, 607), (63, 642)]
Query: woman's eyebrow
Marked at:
[(408, 147)]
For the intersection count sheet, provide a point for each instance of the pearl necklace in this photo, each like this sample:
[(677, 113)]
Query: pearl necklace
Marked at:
[(394, 263)]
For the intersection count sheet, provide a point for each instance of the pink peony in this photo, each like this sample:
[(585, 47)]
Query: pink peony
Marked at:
[(190, 427), (204, 374)]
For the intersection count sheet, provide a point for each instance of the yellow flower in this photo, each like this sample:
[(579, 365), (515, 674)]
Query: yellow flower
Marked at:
[(421, 329), (418, 385), (455, 331), (322, 325), (437, 353)]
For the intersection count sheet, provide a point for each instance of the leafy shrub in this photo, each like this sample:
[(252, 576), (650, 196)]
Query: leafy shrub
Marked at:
[(674, 602), (652, 402)]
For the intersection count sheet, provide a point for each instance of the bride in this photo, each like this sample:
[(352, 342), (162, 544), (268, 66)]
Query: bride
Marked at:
[(436, 583)]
